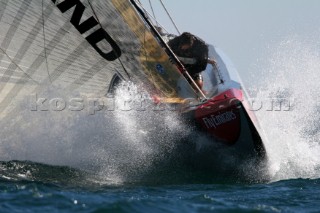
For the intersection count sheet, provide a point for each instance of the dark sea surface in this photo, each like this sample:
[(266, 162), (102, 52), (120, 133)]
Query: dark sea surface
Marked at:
[(62, 189)]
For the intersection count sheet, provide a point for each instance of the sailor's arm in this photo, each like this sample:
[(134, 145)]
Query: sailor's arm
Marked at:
[(212, 61)]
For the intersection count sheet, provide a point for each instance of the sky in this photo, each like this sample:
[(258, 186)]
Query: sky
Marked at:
[(243, 29)]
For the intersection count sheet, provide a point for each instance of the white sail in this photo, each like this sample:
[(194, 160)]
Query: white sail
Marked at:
[(78, 46)]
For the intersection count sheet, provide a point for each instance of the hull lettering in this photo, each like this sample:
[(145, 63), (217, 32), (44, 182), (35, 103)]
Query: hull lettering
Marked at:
[(216, 120)]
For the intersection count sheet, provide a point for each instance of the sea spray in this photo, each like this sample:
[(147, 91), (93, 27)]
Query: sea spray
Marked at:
[(293, 135), (115, 144)]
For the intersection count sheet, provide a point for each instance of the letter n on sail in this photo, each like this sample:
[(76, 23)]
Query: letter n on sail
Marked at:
[(94, 38)]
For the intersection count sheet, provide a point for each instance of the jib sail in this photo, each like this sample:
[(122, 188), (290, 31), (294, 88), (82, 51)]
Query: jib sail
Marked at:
[(78, 46)]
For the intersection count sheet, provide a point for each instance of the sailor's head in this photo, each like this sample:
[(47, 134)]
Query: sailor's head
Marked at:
[(186, 41)]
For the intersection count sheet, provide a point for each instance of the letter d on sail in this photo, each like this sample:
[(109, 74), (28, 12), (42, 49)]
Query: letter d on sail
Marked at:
[(99, 36)]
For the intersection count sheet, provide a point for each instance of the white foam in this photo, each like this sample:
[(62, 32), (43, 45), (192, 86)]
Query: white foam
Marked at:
[(292, 73), (113, 144)]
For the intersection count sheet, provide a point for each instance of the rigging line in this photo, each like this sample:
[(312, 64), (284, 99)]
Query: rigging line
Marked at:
[(154, 15), (153, 19), (170, 53), (19, 66), (44, 44), (145, 10), (174, 24), (94, 13)]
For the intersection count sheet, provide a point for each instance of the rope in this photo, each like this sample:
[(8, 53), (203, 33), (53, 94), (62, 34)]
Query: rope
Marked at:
[(153, 19), (174, 24), (154, 15), (156, 23)]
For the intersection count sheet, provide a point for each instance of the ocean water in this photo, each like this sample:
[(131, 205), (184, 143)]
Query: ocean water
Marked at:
[(139, 160)]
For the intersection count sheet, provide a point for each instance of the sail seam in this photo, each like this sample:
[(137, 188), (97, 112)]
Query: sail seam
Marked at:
[(94, 13), (18, 66), (44, 43)]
